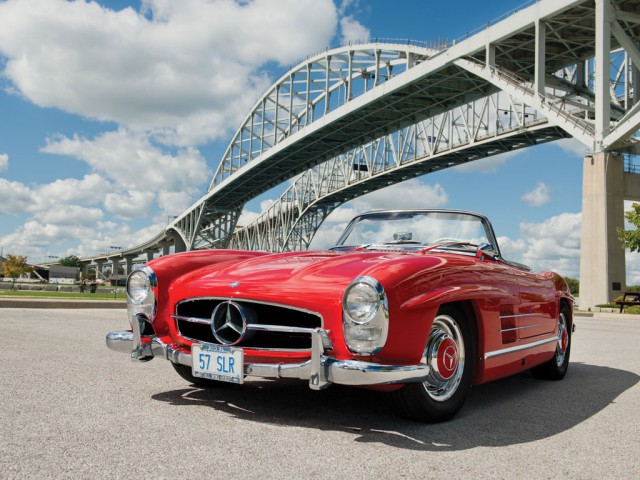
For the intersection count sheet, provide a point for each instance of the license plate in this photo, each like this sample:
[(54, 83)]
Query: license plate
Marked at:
[(217, 362)]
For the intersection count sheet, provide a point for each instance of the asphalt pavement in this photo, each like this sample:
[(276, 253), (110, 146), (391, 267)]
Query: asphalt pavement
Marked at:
[(71, 408)]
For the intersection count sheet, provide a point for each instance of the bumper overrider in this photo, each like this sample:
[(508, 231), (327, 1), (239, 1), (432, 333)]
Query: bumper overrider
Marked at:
[(321, 370)]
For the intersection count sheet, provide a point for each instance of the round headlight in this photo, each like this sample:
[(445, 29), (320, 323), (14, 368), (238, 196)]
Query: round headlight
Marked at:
[(361, 302), (138, 286)]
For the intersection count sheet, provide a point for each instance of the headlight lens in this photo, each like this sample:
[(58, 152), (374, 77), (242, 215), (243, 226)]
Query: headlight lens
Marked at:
[(141, 298), (365, 316), (138, 286), (361, 302)]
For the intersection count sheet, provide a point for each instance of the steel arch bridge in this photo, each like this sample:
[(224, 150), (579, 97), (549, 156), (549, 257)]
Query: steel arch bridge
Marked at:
[(353, 119), (360, 117)]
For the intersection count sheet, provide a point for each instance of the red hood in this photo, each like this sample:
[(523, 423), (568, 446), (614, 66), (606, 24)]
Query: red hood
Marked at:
[(320, 275)]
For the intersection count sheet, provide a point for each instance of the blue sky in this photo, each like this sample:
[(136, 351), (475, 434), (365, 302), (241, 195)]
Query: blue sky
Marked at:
[(114, 114)]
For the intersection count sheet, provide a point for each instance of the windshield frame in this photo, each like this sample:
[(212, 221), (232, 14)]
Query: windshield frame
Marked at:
[(339, 245)]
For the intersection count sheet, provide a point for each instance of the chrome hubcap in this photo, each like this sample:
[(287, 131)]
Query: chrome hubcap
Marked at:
[(563, 340), (444, 354)]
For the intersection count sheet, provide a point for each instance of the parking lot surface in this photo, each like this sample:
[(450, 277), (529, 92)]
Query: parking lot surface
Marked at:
[(71, 408)]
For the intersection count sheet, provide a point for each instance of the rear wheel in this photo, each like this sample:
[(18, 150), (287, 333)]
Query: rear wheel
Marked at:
[(185, 372), (556, 368), (450, 354)]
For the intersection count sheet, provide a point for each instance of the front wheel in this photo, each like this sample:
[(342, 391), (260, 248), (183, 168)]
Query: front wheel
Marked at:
[(450, 354), (556, 368)]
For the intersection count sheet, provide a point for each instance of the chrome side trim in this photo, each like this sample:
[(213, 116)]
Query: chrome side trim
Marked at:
[(521, 315), (321, 371), (518, 348), (520, 328)]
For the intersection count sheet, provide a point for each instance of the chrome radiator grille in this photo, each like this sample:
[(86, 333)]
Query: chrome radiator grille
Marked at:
[(245, 323)]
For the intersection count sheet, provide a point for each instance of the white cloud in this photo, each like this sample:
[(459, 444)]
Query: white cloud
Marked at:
[(15, 197), (130, 205), (539, 196), (89, 190), (176, 66), (4, 161), (352, 30), (130, 159), (133, 173), (71, 215), (553, 244), (408, 194)]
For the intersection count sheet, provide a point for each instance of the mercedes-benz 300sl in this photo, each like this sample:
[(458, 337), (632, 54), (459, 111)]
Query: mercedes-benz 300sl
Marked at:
[(419, 303)]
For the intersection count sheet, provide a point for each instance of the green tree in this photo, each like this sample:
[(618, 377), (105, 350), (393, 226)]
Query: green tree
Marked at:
[(71, 261), (90, 275), (15, 266), (573, 284), (631, 238)]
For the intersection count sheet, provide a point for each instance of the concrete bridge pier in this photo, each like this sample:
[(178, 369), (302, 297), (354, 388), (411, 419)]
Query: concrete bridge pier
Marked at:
[(605, 187), (129, 263), (115, 267), (99, 265)]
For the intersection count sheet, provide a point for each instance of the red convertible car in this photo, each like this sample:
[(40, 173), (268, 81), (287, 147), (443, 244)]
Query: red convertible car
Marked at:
[(419, 303)]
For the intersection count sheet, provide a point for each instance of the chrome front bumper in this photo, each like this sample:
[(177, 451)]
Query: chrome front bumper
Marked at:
[(321, 371)]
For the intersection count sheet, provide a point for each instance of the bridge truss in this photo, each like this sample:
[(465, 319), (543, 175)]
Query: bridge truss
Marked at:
[(360, 117), (357, 118), (495, 124)]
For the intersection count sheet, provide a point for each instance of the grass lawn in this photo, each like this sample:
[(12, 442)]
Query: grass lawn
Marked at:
[(62, 295)]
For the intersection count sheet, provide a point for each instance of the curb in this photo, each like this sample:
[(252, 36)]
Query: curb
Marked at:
[(59, 303), (607, 315)]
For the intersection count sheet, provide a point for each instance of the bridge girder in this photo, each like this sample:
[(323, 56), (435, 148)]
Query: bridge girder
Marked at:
[(537, 64), (347, 97)]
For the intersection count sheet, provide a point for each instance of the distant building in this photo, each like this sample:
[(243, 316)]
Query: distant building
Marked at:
[(62, 274), (55, 274), (51, 274)]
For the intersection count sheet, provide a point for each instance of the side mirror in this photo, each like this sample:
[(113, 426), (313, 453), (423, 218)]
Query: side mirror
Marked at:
[(486, 250)]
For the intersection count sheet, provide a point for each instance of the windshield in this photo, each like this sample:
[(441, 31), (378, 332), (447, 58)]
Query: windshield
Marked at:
[(415, 229)]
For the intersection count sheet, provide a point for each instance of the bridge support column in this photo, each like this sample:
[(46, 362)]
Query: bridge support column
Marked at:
[(129, 263), (165, 248), (115, 267), (602, 258), (178, 244), (99, 265)]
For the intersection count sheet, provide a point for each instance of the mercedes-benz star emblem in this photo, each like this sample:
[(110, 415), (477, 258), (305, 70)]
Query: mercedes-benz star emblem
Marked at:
[(449, 359), (228, 323)]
